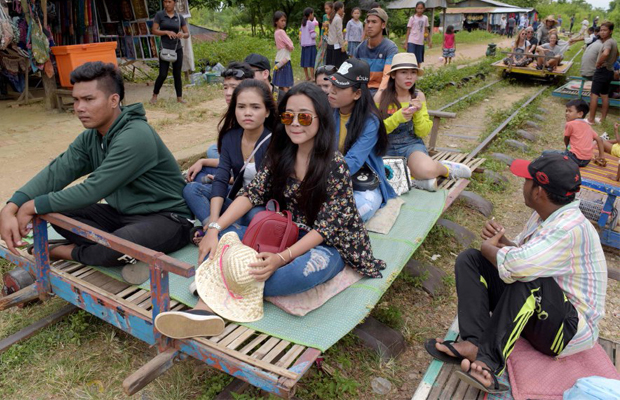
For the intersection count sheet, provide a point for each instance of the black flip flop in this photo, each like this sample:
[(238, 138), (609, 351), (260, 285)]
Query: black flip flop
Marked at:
[(50, 243), (429, 345), (194, 231), (498, 388)]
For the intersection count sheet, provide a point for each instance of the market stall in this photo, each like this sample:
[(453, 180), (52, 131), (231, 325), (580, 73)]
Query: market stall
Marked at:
[(30, 28)]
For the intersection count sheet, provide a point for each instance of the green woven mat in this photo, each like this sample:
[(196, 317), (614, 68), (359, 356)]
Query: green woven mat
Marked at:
[(323, 327)]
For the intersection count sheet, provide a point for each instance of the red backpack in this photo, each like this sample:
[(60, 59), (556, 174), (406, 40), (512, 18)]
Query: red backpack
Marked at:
[(271, 231)]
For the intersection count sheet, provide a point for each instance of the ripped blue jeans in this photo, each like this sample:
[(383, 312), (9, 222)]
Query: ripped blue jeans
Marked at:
[(368, 202), (311, 269)]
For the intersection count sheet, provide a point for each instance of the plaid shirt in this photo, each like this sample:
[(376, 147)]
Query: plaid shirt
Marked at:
[(566, 247)]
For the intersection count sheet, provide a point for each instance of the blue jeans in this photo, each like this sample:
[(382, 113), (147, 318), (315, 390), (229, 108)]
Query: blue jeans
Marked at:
[(198, 198), (309, 270), (212, 151), (368, 202)]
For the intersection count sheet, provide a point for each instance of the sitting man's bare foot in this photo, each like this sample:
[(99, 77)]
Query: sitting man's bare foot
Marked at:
[(465, 348), (477, 370)]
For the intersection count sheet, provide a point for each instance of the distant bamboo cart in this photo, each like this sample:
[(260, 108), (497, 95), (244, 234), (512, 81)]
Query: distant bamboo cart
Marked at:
[(578, 87)]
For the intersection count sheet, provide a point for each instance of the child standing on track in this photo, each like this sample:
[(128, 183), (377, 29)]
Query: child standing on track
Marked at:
[(355, 31), (308, 42), (449, 46), (283, 71), (416, 28)]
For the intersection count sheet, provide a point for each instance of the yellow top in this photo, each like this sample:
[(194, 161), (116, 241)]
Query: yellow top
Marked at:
[(422, 122), (344, 118)]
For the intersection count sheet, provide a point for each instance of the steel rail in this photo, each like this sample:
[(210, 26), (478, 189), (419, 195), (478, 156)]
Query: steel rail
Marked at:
[(468, 95), (505, 123)]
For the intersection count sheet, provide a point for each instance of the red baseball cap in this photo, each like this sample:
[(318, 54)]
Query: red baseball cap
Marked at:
[(555, 172)]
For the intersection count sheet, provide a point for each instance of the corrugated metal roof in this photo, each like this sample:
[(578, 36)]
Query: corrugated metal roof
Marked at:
[(487, 10)]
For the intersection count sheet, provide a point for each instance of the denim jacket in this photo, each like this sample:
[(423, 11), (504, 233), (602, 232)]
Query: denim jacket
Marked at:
[(362, 152)]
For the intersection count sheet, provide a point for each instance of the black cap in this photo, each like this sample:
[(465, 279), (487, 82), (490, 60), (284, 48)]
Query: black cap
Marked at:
[(258, 61), (555, 172), (351, 72)]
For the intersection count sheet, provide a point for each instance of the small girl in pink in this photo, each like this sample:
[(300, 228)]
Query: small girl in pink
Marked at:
[(283, 75), (578, 134), (449, 47)]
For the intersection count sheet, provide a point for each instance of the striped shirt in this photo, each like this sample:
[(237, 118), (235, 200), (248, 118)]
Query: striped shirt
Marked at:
[(566, 247), (379, 59)]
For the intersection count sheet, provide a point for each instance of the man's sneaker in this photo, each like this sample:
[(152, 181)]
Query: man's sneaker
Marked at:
[(605, 136), (457, 170), (425, 184), (136, 274), (188, 324)]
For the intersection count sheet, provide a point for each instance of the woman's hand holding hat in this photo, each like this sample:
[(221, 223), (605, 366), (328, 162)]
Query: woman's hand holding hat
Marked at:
[(208, 244), (270, 262)]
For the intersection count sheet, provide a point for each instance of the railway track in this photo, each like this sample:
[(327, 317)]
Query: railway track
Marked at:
[(471, 125)]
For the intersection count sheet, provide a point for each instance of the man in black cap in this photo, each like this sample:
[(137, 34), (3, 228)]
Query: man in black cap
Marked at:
[(547, 286), (262, 72)]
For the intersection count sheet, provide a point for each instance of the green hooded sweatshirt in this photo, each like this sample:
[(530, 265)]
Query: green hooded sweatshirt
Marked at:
[(130, 167)]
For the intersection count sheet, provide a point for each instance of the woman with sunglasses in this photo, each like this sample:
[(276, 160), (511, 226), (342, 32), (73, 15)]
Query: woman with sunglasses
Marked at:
[(519, 48), (308, 177), (321, 77), (244, 135), (360, 134)]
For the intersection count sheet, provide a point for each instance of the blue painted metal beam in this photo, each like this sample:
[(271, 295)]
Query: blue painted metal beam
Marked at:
[(232, 366), (41, 258), (137, 325)]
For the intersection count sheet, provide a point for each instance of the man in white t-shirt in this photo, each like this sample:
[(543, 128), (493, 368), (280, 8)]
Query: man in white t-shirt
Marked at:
[(584, 27), (502, 26)]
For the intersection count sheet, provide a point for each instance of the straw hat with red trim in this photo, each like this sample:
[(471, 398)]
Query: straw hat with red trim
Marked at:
[(225, 284)]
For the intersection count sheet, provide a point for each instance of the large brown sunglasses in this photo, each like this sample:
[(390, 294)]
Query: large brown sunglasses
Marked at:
[(304, 118)]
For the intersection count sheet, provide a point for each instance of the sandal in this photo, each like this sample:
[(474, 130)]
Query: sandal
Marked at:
[(429, 345), (498, 388), (50, 245), (194, 233)]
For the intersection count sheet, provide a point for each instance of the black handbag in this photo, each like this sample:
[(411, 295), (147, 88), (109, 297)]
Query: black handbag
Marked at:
[(365, 179)]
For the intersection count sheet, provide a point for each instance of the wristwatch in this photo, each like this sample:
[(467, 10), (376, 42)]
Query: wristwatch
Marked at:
[(214, 225)]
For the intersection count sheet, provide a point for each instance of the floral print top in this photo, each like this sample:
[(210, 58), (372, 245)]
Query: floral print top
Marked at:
[(338, 220)]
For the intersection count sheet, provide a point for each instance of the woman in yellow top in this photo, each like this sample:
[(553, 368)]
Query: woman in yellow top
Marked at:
[(406, 119)]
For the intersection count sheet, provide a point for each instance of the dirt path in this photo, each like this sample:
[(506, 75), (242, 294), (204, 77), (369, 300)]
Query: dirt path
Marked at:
[(463, 132), (464, 52)]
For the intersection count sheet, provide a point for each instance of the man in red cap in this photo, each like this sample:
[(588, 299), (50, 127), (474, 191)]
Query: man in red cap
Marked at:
[(547, 286)]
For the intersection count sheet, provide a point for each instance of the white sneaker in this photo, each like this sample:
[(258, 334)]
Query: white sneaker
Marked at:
[(425, 184), (605, 136), (188, 324), (457, 170)]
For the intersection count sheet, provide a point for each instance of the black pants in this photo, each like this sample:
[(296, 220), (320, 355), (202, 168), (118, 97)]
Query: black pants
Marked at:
[(176, 74), (537, 310), (509, 31), (335, 57), (165, 232)]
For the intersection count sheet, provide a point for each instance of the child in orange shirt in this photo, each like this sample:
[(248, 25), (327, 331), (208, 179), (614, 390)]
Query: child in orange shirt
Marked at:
[(578, 134)]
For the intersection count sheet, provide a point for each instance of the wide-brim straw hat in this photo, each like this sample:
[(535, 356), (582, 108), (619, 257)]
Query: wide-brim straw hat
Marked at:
[(224, 283), (406, 61), (550, 18)]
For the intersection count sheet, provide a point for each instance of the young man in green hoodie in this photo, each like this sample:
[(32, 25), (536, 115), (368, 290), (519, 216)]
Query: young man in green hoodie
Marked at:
[(127, 164)]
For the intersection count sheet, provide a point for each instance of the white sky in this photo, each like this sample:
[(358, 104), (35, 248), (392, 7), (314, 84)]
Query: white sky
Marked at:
[(604, 4)]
